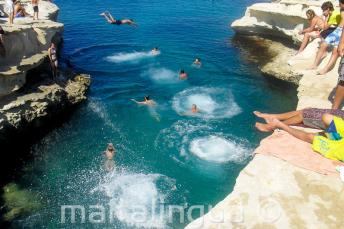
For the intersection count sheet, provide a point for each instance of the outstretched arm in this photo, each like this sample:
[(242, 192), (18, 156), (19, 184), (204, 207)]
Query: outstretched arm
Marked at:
[(138, 101)]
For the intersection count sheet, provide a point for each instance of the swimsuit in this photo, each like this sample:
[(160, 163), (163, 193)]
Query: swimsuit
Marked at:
[(331, 143), (117, 22), (35, 8), (334, 37), (312, 117)]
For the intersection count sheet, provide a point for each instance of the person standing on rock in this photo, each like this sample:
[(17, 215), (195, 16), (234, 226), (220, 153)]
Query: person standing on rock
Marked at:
[(35, 9), (52, 52), (9, 8)]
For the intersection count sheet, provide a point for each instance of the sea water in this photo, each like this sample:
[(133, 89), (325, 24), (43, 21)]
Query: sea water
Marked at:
[(165, 156)]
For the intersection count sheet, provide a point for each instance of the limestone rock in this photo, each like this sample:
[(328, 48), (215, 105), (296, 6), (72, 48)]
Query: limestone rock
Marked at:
[(26, 44), (20, 111), (282, 19), (271, 193)]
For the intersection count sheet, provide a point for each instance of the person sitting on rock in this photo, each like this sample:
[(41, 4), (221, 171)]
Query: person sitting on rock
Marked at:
[(310, 117), (19, 10), (329, 143), (332, 19), (52, 53), (316, 24), (331, 40), (113, 21)]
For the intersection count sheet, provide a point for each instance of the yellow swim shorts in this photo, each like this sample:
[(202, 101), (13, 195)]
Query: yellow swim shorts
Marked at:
[(332, 149)]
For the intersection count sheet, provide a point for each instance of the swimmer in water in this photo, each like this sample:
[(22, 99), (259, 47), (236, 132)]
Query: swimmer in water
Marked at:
[(197, 62), (113, 21), (183, 75), (109, 154), (155, 51), (194, 109), (147, 101)]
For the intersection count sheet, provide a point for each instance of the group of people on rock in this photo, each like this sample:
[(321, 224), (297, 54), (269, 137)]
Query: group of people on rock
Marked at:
[(15, 9), (329, 142)]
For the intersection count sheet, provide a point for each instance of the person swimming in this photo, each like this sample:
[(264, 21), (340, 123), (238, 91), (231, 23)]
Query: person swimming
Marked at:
[(147, 101), (183, 75), (155, 51), (113, 21), (197, 62), (194, 109), (109, 155)]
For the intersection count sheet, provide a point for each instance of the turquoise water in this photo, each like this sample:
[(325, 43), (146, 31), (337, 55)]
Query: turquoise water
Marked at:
[(162, 156)]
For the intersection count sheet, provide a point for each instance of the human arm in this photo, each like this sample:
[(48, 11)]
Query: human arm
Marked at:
[(311, 28)]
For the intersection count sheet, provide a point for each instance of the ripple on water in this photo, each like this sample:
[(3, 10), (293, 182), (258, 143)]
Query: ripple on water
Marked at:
[(213, 103)]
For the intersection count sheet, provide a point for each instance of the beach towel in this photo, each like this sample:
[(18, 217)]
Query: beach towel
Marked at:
[(299, 153)]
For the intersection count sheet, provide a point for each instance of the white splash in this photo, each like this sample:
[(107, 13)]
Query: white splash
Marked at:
[(135, 198), (130, 57), (217, 149), (212, 102), (161, 75)]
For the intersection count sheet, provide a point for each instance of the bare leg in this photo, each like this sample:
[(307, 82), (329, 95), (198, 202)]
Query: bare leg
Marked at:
[(327, 119), (107, 17), (339, 97), (331, 62), (283, 116), (305, 41), (320, 54), (304, 136)]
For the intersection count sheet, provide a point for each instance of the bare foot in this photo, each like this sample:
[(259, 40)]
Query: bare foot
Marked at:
[(264, 116), (264, 127), (274, 123)]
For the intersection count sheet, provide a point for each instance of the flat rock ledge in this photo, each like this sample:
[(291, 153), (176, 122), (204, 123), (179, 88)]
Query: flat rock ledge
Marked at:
[(269, 192), (26, 111)]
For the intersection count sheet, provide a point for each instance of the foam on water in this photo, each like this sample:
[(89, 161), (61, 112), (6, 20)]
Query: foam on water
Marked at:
[(130, 57), (135, 198), (161, 75), (197, 138), (212, 102), (217, 149)]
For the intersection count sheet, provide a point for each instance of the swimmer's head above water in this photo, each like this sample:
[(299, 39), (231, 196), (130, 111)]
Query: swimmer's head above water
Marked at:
[(147, 98), (194, 108), (197, 61)]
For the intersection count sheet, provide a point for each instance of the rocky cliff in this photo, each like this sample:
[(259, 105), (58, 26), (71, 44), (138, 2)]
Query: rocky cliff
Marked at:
[(269, 192), (26, 44), (29, 98)]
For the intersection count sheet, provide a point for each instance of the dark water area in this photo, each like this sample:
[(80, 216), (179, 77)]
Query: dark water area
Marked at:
[(162, 155)]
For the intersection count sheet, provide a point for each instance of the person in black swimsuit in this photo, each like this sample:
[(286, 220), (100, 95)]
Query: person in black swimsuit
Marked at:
[(111, 20)]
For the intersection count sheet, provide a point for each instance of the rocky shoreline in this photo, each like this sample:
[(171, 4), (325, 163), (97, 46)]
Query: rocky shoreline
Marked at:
[(269, 192), (29, 99)]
